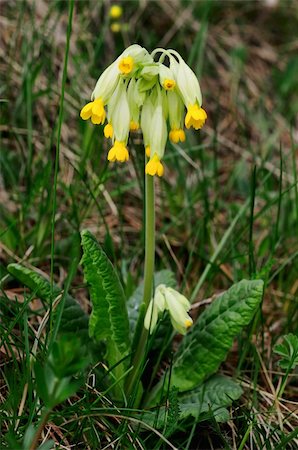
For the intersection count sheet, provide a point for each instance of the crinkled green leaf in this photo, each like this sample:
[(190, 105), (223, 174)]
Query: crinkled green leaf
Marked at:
[(288, 349), (73, 319), (109, 318), (206, 345), (208, 341), (211, 397), (133, 304), (209, 400)]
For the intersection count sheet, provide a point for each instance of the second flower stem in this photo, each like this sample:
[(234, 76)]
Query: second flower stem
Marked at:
[(148, 281)]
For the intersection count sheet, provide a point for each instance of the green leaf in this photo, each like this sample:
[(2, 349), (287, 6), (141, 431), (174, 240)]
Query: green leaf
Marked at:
[(133, 304), (207, 401), (208, 342), (210, 398), (73, 320), (288, 349), (109, 318), (48, 445)]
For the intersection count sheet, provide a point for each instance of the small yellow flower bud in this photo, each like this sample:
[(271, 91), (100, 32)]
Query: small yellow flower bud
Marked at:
[(108, 130), (148, 151)]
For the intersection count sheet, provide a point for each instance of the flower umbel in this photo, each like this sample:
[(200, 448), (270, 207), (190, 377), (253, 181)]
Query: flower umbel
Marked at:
[(168, 299), (139, 92)]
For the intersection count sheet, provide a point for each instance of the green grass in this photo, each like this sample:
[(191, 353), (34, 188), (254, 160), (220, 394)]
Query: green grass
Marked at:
[(227, 207)]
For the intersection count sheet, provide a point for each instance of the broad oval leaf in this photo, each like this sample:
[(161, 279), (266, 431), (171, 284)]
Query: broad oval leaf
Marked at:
[(109, 318), (210, 398), (208, 342)]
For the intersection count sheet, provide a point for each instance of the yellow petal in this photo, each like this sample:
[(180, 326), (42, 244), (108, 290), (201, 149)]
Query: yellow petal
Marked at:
[(86, 111)]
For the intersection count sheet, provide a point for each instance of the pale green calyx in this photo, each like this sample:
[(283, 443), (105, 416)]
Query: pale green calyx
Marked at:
[(168, 299), (120, 113), (188, 84)]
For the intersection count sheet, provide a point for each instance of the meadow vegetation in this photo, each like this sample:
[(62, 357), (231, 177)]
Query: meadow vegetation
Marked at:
[(226, 210)]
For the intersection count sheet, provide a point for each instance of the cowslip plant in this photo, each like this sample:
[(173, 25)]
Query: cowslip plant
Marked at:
[(160, 98), (139, 91)]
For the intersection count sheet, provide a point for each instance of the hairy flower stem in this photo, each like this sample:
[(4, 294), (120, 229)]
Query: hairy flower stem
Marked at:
[(140, 352), (42, 423)]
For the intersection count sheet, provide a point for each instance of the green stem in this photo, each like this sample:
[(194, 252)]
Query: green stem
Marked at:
[(140, 352), (42, 423)]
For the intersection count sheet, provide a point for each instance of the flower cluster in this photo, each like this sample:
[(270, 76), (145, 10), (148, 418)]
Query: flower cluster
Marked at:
[(166, 298), (136, 91)]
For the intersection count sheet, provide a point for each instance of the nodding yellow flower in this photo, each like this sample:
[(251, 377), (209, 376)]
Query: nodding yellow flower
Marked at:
[(195, 117), (116, 11), (108, 130), (94, 110), (126, 65), (118, 152), (148, 151), (166, 298), (115, 27), (154, 167), (177, 135), (134, 126), (169, 85), (166, 77)]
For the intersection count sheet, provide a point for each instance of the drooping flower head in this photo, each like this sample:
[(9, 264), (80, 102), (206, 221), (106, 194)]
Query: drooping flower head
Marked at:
[(168, 299), (136, 91)]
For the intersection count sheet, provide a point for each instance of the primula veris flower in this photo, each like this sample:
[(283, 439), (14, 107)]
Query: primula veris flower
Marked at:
[(176, 109), (94, 111), (138, 91), (115, 27), (115, 11), (166, 78), (168, 299), (118, 152), (119, 113)]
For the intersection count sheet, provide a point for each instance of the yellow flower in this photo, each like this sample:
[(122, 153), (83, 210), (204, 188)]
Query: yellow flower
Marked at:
[(169, 84), (94, 110), (116, 11), (115, 27), (108, 130), (195, 117), (177, 135), (168, 299), (148, 151), (154, 166), (126, 65), (118, 152), (166, 77)]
